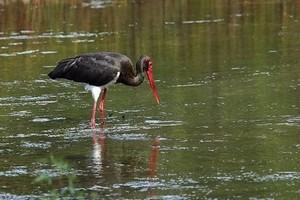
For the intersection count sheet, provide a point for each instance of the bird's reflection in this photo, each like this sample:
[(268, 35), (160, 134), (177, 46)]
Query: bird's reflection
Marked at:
[(152, 167), (153, 158), (98, 149), (100, 159)]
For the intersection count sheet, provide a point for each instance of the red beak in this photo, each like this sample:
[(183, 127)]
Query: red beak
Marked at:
[(151, 82)]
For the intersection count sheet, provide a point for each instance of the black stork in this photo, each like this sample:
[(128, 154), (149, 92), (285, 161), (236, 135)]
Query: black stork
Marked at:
[(99, 70)]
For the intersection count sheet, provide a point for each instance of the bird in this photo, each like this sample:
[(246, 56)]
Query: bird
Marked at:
[(97, 71)]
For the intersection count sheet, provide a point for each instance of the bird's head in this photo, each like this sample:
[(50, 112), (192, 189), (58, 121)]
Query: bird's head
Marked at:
[(147, 66)]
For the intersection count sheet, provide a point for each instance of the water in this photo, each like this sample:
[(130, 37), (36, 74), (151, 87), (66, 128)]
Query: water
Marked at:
[(228, 79)]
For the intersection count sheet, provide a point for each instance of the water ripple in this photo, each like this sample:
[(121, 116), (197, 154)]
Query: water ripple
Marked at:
[(97, 4), (202, 21), (254, 177), (40, 145), (164, 123), (15, 171), (128, 136)]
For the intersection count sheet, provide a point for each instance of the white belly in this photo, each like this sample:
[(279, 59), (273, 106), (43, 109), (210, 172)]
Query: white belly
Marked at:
[(96, 90)]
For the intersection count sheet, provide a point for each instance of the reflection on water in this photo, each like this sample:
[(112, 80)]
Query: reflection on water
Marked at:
[(99, 150), (228, 79), (153, 157)]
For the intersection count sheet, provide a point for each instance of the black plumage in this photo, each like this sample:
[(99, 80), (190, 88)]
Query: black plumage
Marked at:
[(99, 70), (96, 69)]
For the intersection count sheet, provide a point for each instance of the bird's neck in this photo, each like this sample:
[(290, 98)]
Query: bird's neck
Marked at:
[(131, 77), (138, 79), (139, 73)]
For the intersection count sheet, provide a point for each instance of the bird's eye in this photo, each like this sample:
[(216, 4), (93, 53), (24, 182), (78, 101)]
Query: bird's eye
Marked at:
[(150, 65)]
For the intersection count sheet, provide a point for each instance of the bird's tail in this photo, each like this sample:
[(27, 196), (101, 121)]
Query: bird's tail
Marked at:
[(60, 69)]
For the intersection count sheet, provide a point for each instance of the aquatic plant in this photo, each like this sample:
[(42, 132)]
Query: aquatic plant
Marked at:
[(61, 182)]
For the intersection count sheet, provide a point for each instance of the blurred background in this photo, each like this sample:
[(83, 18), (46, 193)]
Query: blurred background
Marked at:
[(227, 74)]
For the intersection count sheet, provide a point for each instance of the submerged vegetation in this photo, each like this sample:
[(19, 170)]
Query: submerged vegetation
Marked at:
[(61, 182), (64, 175)]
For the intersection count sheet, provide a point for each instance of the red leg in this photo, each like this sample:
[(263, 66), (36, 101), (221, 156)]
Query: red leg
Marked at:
[(93, 121), (101, 105), (102, 137)]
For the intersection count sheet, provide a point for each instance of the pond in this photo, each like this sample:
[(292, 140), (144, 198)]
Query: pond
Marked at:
[(227, 126)]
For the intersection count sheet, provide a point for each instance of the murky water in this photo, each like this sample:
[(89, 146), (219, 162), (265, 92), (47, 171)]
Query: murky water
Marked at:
[(228, 79)]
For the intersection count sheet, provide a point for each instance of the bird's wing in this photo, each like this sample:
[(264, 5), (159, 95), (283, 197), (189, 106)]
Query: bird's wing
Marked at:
[(97, 70)]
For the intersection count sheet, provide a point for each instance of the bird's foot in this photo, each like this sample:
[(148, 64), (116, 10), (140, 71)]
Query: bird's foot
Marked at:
[(93, 123), (102, 117)]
